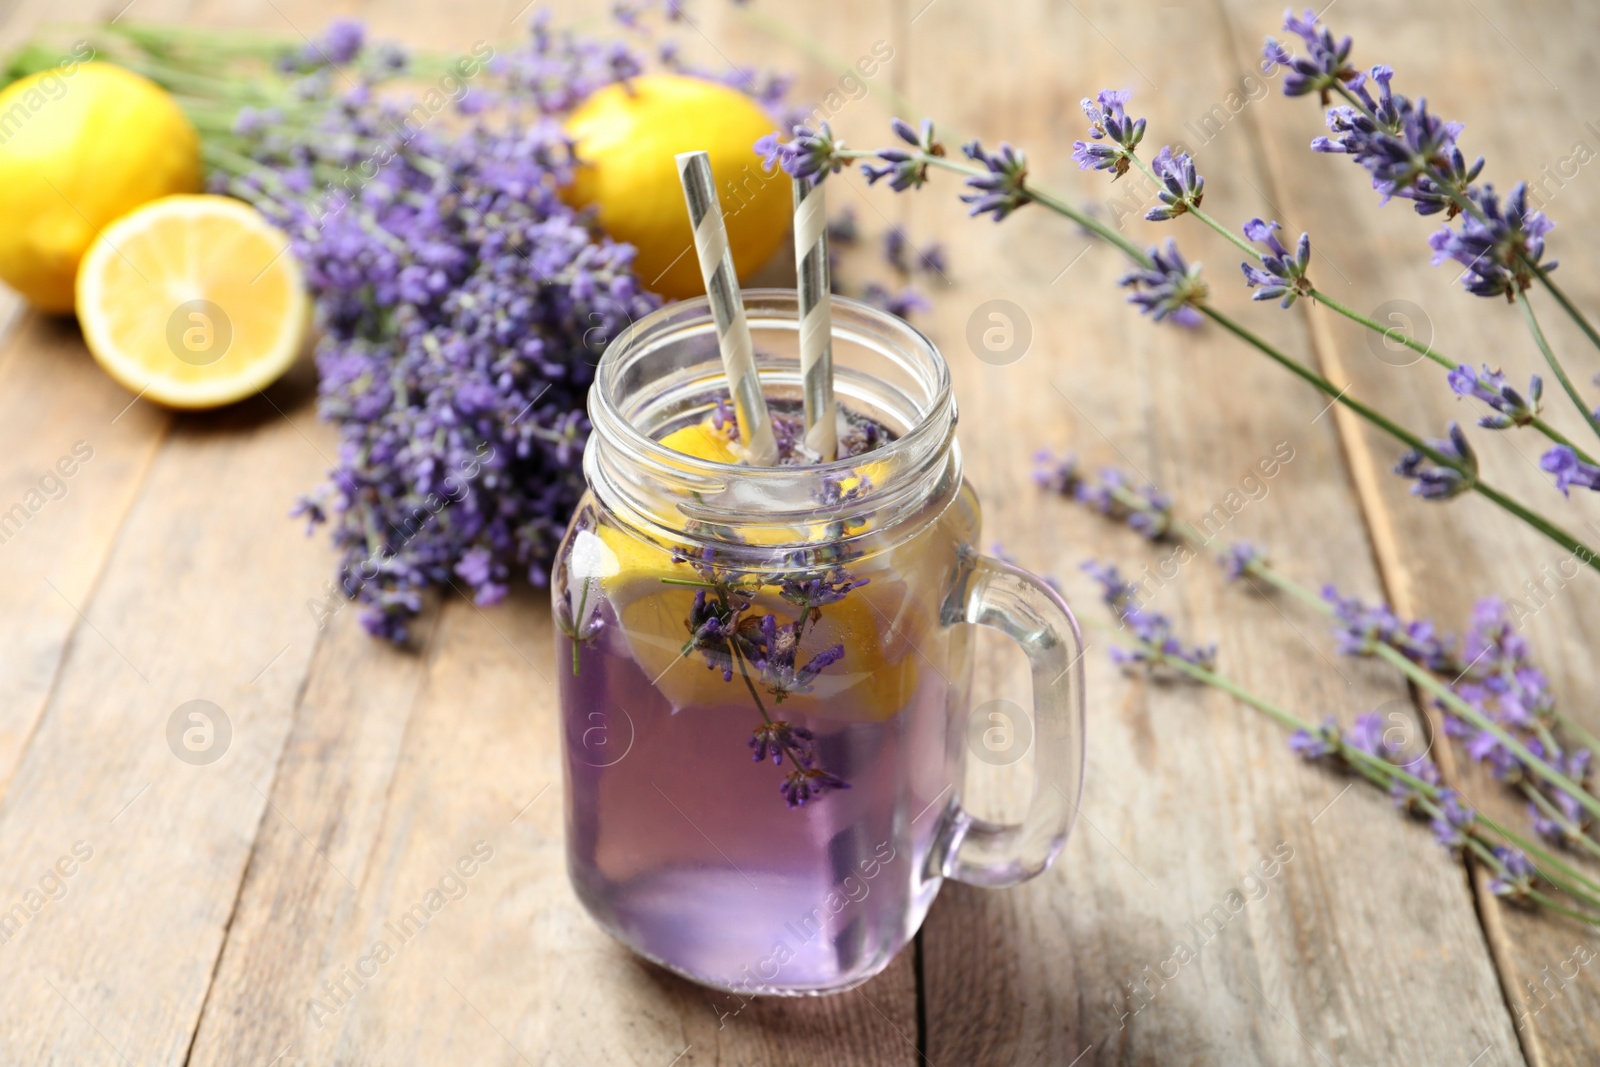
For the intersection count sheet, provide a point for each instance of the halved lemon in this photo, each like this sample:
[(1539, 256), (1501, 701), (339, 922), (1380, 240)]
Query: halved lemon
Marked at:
[(193, 301)]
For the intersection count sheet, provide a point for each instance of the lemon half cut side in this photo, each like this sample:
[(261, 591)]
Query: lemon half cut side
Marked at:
[(193, 301)]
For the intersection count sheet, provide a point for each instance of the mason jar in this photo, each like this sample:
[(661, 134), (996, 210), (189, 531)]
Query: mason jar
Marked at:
[(764, 671)]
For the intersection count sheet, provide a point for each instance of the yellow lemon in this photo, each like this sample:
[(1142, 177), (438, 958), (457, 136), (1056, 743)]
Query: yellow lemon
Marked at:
[(81, 146), (193, 301), (627, 136), (704, 440)]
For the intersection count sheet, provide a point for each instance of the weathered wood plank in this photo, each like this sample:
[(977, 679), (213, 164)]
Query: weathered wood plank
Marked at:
[(1446, 557), (58, 412), (1361, 948), (200, 597)]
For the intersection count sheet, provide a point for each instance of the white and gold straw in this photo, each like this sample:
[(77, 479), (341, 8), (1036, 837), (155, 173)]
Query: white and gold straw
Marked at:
[(816, 317), (727, 309)]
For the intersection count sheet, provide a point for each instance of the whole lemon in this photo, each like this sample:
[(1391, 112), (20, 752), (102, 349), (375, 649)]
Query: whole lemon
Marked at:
[(80, 146), (627, 135)]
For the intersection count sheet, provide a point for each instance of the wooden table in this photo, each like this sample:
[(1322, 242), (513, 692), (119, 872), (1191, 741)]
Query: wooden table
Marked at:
[(208, 906)]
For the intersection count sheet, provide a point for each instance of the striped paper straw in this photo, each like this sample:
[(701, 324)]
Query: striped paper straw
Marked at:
[(816, 317), (727, 309)]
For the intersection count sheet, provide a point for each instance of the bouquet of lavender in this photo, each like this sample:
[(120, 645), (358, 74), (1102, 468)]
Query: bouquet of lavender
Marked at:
[(461, 304)]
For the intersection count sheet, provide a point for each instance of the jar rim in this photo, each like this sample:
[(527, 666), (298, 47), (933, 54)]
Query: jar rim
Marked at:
[(624, 460), (613, 420)]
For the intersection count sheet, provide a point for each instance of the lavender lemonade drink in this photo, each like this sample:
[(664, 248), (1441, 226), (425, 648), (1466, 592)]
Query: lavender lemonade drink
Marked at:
[(764, 671)]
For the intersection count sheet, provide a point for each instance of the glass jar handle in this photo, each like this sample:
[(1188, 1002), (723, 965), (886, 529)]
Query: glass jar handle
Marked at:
[(1031, 613)]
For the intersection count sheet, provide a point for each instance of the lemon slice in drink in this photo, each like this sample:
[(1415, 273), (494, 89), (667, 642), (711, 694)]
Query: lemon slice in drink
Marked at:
[(193, 301), (704, 440), (874, 680)]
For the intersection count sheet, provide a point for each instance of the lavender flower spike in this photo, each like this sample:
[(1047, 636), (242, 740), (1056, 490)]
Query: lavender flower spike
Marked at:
[(1491, 388), (812, 154), (775, 739), (1168, 288), (1501, 250), (1240, 559), (905, 170), (1279, 274), (1325, 65), (1058, 474), (1148, 513), (1408, 151), (1453, 818), (1519, 873), (903, 304), (343, 40), (1362, 627), (1441, 482), (1001, 191), (1158, 642), (1108, 122), (1182, 188), (807, 784), (1314, 745), (1569, 469)]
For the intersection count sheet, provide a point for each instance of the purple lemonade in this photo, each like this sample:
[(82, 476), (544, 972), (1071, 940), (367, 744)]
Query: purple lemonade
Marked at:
[(760, 814)]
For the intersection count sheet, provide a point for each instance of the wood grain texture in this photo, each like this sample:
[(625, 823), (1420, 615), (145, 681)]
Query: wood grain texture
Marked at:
[(161, 576), (59, 413), (1447, 557), (201, 598), (53, 399), (1364, 948)]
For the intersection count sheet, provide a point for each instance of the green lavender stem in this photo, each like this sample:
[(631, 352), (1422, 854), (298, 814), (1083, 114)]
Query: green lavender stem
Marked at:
[(1048, 200), (1192, 208), (577, 621), (1400, 433), (1545, 902), (1555, 364), (738, 658), (1582, 736), (1494, 863), (1571, 881), (1573, 832), (1425, 678), (1442, 360), (739, 661), (1412, 670), (1466, 711), (1568, 306)]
